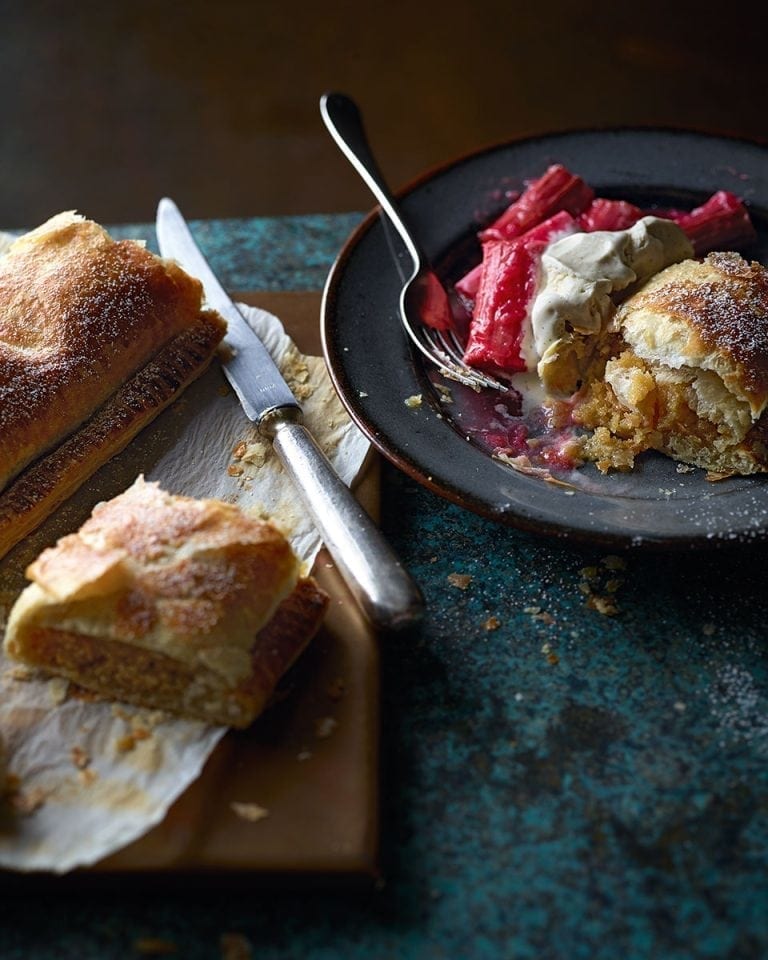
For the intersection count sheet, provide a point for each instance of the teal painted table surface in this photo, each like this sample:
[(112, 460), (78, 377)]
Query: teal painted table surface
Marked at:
[(575, 747)]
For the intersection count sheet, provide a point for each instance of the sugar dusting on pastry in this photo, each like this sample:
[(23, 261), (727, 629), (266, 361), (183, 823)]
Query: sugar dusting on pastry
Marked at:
[(689, 374)]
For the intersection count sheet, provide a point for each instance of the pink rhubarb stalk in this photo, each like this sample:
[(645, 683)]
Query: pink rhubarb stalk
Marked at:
[(507, 285), (721, 223), (557, 189)]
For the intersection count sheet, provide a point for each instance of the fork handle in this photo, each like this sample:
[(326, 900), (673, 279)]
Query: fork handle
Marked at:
[(377, 579), (345, 124)]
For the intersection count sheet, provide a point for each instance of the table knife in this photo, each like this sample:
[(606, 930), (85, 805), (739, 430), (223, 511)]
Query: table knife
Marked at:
[(375, 576)]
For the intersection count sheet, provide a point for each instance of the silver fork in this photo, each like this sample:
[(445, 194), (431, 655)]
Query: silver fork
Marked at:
[(441, 347)]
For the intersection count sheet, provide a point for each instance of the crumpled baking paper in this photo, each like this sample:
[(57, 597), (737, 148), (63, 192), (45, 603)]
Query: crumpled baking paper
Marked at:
[(87, 777)]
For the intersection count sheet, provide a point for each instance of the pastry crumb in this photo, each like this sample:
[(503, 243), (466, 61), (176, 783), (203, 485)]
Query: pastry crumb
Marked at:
[(325, 726), (604, 605), (492, 623), (713, 477), (460, 580), (80, 758), (251, 812), (58, 690), (413, 401)]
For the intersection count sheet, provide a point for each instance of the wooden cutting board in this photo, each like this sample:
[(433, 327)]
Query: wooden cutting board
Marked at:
[(310, 762)]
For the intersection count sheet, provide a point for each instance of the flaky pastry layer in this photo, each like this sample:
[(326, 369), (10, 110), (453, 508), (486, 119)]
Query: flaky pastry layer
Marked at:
[(97, 336), (690, 378), (166, 601)]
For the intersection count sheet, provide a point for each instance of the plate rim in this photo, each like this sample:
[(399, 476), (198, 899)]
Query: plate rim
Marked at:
[(539, 526)]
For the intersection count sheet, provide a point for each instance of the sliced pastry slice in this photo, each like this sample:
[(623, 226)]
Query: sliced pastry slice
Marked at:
[(97, 336), (691, 377), (169, 602)]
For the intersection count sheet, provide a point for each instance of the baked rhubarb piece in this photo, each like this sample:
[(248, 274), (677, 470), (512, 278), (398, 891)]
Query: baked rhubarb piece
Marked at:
[(690, 375), (507, 283), (169, 602), (97, 336), (558, 261)]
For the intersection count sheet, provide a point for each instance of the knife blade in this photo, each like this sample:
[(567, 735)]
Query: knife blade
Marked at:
[(375, 576)]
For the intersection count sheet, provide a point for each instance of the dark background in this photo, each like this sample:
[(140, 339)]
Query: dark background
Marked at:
[(104, 107)]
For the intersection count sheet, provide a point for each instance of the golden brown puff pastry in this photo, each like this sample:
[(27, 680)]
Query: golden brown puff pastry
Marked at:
[(692, 377), (96, 337), (169, 602)]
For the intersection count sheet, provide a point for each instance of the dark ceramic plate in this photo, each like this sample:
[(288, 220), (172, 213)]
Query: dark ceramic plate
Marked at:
[(375, 369)]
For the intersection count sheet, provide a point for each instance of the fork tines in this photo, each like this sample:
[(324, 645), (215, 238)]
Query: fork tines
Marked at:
[(446, 352)]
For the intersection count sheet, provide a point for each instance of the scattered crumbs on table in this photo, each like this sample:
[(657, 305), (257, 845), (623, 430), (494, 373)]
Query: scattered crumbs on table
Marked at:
[(685, 468), (708, 629), (549, 653), (492, 623), (235, 946), (324, 727), (233, 470), (460, 580), (536, 613), (251, 812), (519, 696), (600, 588), (413, 401), (433, 559), (154, 947), (604, 605), (362, 394), (679, 706), (445, 393)]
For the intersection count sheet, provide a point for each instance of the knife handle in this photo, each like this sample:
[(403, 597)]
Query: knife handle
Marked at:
[(377, 579)]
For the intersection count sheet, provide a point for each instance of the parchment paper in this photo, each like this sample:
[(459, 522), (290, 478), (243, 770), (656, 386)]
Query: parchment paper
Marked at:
[(86, 777)]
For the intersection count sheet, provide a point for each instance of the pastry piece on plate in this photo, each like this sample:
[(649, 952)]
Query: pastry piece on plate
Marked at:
[(165, 601), (97, 336), (690, 378)]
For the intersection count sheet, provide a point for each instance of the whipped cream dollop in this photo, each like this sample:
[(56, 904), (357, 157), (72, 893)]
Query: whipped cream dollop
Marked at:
[(572, 303)]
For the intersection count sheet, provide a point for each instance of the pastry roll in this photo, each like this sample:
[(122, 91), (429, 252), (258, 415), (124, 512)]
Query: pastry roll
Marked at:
[(97, 336), (169, 602), (691, 377)]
